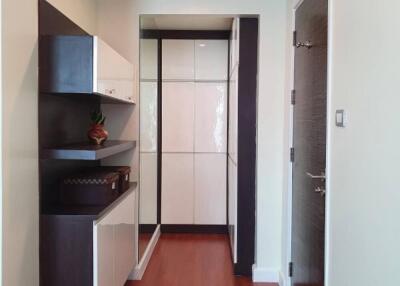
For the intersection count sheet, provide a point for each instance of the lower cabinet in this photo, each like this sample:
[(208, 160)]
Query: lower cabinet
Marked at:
[(194, 189), (85, 246), (113, 244)]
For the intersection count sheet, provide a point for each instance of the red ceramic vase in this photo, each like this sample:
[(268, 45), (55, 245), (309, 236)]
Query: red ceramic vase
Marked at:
[(97, 134)]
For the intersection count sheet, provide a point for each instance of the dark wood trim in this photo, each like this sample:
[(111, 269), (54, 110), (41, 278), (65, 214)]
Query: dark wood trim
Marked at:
[(186, 34), (247, 122), (159, 129), (147, 228), (194, 228)]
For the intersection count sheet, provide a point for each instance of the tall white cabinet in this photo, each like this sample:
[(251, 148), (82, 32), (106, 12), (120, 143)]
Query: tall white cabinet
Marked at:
[(233, 137), (194, 131)]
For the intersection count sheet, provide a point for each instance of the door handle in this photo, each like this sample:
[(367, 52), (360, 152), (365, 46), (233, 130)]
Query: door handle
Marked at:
[(317, 177), (307, 45), (321, 191)]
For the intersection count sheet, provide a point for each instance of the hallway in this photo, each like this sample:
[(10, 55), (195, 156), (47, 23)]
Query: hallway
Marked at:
[(192, 259)]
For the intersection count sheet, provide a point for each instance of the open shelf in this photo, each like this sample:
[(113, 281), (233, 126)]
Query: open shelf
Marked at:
[(103, 98), (86, 151), (88, 210)]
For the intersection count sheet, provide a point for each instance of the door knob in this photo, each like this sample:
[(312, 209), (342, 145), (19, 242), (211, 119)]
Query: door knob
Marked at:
[(317, 177), (307, 45), (321, 191)]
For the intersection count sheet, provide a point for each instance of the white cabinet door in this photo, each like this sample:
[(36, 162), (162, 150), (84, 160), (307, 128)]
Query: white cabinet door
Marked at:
[(148, 59), (211, 117), (178, 59), (234, 46), (178, 116), (233, 115), (112, 74), (148, 188), (211, 59), (148, 117), (232, 206), (114, 243), (177, 189), (210, 189)]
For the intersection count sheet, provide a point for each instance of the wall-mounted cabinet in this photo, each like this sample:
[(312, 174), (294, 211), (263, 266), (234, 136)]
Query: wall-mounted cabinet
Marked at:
[(85, 65)]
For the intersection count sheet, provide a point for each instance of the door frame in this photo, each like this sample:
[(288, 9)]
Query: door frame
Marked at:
[(287, 279)]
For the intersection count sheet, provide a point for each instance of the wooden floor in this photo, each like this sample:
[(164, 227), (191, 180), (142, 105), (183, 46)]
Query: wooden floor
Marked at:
[(192, 260)]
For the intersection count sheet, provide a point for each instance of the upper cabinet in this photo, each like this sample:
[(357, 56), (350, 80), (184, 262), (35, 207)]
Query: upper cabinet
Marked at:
[(85, 65), (177, 60), (211, 58), (234, 46), (148, 60), (194, 60)]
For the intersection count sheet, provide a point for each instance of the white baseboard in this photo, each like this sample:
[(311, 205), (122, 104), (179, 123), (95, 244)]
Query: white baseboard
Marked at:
[(262, 274), (139, 270)]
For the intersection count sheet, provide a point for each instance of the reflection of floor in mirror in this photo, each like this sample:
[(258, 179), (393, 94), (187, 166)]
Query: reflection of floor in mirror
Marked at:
[(144, 240), (192, 260)]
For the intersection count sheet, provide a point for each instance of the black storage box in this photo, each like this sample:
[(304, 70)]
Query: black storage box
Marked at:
[(90, 188), (124, 174)]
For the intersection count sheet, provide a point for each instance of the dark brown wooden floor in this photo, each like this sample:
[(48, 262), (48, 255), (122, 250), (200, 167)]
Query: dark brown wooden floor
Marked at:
[(192, 260)]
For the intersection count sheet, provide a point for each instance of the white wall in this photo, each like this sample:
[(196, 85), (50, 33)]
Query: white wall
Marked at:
[(271, 152), (363, 189), (82, 12), (20, 143)]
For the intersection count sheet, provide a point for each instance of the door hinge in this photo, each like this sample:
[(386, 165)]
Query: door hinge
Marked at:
[(290, 270), (294, 38), (293, 97), (292, 154)]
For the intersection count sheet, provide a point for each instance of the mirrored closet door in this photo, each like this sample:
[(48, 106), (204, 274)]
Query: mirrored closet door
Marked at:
[(148, 143)]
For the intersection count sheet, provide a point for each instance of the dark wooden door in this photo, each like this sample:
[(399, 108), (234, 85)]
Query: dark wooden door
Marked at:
[(309, 142)]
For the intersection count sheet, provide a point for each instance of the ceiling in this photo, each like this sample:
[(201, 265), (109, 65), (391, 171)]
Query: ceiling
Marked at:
[(186, 22)]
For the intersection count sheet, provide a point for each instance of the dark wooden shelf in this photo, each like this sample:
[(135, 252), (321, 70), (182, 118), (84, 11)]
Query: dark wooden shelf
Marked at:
[(85, 151), (101, 98)]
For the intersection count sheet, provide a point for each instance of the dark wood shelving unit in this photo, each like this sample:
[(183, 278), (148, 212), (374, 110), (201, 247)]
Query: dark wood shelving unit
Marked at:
[(86, 151), (99, 97)]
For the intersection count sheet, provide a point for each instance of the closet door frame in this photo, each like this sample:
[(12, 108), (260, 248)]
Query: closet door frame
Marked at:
[(161, 35), (247, 100)]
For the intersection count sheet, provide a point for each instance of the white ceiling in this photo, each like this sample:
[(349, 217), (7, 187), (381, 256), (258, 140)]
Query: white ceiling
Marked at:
[(186, 22)]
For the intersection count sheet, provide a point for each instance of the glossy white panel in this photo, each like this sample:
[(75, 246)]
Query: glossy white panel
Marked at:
[(114, 243), (211, 117), (113, 75), (233, 116), (178, 116), (104, 274), (234, 45), (232, 206), (210, 189), (178, 59), (148, 188), (148, 59), (211, 59), (148, 117), (177, 203)]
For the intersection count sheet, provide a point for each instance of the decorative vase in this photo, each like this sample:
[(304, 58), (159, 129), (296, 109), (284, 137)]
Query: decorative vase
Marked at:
[(97, 134)]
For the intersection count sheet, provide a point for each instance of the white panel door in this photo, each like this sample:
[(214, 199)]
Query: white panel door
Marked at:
[(178, 59), (210, 189), (177, 189), (211, 117), (233, 115), (232, 206), (211, 59), (178, 116), (148, 59), (148, 188), (148, 117)]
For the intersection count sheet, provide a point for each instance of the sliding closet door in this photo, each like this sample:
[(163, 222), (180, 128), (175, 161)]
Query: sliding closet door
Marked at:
[(194, 131)]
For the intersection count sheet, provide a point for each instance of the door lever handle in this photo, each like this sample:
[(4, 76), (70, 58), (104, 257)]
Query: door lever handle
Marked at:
[(307, 45), (317, 177)]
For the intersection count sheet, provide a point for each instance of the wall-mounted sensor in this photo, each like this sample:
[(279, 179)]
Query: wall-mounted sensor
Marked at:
[(340, 118)]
